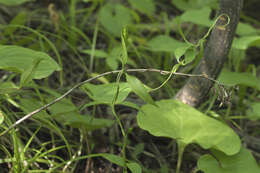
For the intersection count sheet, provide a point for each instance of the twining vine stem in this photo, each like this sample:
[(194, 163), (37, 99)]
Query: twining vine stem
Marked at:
[(163, 72)]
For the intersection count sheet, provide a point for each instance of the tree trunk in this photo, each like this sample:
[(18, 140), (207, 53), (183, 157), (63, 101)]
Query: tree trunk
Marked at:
[(196, 89)]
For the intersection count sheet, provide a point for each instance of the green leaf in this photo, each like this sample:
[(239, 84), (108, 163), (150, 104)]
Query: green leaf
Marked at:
[(27, 75), (97, 53), (253, 113), (114, 17), (8, 87), (190, 55), (67, 113), (105, 93), (194, 4), (187, 51), (13, 2), (63, 106), (198, 16), (144, 6), (180, 51), (164, 43), (30, 104), (19, 59), (245, 29), (134, 167), (114, 57), (90, 123), (19, 19), (114, 159), (227, 77), (184, 123), (241, 162), (138, 87), (245, 42)]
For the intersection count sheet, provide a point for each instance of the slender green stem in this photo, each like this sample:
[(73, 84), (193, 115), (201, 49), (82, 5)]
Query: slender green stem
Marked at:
[(93, 47), (181, 147)]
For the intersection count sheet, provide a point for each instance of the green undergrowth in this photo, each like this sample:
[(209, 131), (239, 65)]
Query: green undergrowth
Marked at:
[(95, 81)]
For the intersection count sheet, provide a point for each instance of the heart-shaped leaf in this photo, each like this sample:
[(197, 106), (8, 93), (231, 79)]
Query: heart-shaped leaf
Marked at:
[(174, 119), (114, 17), (241, 162)]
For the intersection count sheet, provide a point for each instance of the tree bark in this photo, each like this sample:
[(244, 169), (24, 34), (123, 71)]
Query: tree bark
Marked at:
[(217, 48)]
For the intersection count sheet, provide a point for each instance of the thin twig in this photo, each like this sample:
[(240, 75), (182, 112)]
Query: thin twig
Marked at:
[(163, 72)]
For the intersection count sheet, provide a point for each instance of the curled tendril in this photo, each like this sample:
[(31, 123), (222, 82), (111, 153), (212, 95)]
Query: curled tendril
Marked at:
[(214, 24), (228, 19)]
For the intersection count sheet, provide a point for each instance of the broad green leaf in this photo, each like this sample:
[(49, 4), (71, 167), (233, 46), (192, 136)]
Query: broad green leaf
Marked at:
[(97, 53), (134, 167), (253, 111), (174, 119), (114, 17), (114, 159), (194, 4), (164, 43), (245, 29), (13, 2), (138, 87), (18, 59), (198, 16), (8, 87), (227, 77), (1, 117), (144, 6), (27, 75), (241, 162), (245, 42), (104, 93)]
